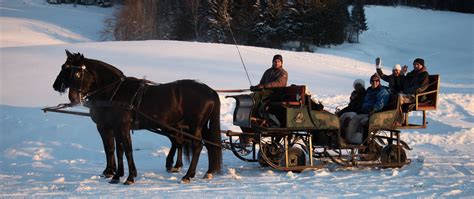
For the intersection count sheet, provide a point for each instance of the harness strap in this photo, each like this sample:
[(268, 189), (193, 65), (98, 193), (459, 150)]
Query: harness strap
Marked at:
[(116, 89), (106, 87), (140, 92), (178, 131)]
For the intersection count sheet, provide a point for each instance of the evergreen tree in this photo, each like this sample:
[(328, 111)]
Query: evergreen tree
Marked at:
[(218, 21), (358, 22), (290, 23), (333, 24), (184, 26), (261, 29), (243, 15), (311, 30), (264, 31)]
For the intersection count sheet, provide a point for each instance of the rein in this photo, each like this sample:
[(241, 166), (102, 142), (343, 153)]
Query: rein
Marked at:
[(178, 131)]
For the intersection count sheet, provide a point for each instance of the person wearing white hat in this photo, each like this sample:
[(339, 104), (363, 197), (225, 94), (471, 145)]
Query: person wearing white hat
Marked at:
[(395, 80), (356, 99), (354, 107)]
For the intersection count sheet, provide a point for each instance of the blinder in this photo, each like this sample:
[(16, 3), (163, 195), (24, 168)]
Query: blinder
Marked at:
[(78, 73)]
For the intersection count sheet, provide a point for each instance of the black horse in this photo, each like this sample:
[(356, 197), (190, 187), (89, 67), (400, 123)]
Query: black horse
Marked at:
[(118, 104)]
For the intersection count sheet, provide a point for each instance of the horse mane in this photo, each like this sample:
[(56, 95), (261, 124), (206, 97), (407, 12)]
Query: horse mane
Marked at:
[(184, 81), (109, 67)]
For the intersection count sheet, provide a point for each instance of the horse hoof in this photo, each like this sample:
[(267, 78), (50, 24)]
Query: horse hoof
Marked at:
[(128, 182), (208, 176), (107, 175), (174, 170), (114, 181), (185, 180)]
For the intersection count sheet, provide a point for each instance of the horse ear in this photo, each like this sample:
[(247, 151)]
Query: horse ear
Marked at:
[(82, 56), (68, 53)]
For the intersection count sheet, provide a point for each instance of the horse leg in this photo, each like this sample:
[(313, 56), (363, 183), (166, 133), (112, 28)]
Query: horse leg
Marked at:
[(116, 178), (120, 169), (213, 161), (119, 151), (170, 156), (108, 143), (127, 145), (179, 159), (196, 152), (211, 155)]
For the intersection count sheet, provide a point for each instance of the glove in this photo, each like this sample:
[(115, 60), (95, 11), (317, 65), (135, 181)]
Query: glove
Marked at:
[(378, 62), (404, 69)]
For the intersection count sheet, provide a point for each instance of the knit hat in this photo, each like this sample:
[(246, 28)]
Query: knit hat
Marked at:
[(397, 67), (375, 76), (358, 81), (278, 56), (420, 61)]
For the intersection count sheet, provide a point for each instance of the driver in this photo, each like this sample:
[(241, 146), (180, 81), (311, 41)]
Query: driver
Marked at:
[(275, 76)]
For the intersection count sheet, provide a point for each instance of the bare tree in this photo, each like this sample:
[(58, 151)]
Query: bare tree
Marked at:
[(134, 21)]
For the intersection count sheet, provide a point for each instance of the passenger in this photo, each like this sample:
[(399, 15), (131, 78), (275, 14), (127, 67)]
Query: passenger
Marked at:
[(375, 100), (416, 81), (356, 99), (355, 104), (275, 76), (395, 80)]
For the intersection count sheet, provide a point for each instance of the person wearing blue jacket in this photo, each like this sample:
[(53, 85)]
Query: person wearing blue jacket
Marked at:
[(376, 98)]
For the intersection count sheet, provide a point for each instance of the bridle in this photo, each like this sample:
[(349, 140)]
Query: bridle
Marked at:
[(84, 95)]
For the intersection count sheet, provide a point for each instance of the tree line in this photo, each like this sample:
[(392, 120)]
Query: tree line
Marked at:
[(265, 23)]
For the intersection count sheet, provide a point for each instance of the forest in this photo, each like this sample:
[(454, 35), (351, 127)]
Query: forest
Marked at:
[(286, 24)]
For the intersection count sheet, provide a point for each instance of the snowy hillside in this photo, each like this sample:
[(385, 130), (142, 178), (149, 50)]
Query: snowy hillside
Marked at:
[(57, 155)]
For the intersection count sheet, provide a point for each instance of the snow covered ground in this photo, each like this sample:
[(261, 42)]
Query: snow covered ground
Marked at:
[(57, 155)]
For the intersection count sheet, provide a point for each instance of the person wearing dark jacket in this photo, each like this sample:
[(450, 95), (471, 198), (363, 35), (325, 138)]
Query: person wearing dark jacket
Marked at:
[(395, 80), (355, 103), (356, 99), (275, 76), (415, 82), (376, 98)]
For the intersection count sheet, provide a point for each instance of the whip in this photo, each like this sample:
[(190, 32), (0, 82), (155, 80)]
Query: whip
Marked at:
[(238, 50)]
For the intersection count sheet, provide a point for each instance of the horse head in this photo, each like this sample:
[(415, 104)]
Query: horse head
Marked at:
[(74, 76)]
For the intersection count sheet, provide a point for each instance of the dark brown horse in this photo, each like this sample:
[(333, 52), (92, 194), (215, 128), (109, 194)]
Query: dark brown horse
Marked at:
[(118, 104)]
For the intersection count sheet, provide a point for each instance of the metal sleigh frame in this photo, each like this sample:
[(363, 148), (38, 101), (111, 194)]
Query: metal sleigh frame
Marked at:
[(342, 155)]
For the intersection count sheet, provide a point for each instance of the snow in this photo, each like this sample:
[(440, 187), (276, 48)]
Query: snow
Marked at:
[(58, 155)]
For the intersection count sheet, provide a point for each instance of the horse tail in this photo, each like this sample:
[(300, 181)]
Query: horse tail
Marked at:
[(215, 133)]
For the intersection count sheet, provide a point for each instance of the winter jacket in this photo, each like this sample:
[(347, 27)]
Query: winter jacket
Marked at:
[(355, 103), (375, 99), (395, 83), (274, 78), (416, 81)]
